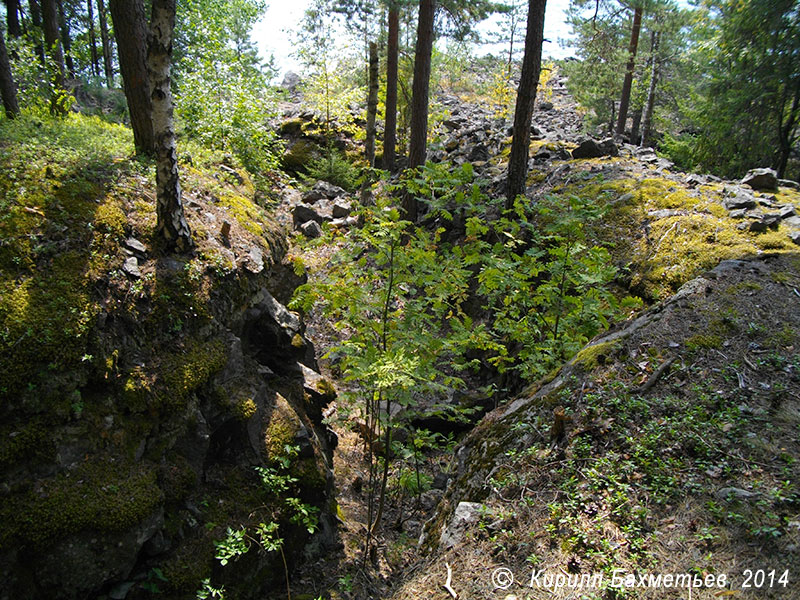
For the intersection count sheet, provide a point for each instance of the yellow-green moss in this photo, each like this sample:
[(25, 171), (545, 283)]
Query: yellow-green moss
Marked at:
[(595, 355), (184, 372), (298, 341), (45, 320), (110, 218), (137, 390), (245, 409)]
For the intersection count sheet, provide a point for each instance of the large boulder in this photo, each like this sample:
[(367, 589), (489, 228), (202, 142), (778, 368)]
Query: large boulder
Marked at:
[(761, 179), (593, 149)]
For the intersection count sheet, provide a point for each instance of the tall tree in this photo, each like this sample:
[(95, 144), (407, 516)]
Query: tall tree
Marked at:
[(526, 97), (171, 225), (130, 29), (628, 82), (647, 113), (372, 104), (92, 37), (52, 40), (66, 39), (105, 40), (419, 97), (36, 20), (8, 89), (392, 56), (12, 18)]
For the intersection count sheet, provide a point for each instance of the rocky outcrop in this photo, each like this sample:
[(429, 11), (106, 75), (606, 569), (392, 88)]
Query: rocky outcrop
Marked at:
[(761, 179), (593, 149), (137, 459)]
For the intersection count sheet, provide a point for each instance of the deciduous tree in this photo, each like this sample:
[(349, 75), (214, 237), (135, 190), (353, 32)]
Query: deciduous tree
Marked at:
[(171, 225)]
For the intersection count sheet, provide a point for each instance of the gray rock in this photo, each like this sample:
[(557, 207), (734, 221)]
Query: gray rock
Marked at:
[(789, 184), (787, 211), (734, 492), (131, 267), (794, 235), (136, 246), (323, 189), (761, 179), (740, 200), (291, 80), (341, 209), (593, 149), (479, 153), (303, 213), (311, 229), (545, 106), (254, 261), (465, 517)]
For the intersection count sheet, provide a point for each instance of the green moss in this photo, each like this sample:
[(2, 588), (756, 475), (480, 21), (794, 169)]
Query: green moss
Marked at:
[(100, 494), (298, 157), (704, 341), (595, 355), (184, 372), (281, 429), (34, 439), (188, 567), (783, 338), (44, 320)]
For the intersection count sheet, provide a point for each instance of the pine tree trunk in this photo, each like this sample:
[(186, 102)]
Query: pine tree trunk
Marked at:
[(372, 104), (36, 19), (12, 18), (53, 43), (8, 89), (65, 39), (130, 29), (171, 224), (636, 122), (419, 97), (92, 38), (628, 82), (526, 96), (390, 127), (647, 118), (106, 42)]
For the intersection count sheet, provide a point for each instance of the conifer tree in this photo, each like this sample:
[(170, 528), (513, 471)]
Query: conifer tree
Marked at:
[(526, 97), (8, 89)]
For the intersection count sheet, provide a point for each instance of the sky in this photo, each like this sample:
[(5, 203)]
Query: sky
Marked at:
[(275, 35)]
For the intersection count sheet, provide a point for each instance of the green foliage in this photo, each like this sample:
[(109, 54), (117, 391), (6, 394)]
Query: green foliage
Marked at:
[(748, 59), (223, 96), (335, 169)]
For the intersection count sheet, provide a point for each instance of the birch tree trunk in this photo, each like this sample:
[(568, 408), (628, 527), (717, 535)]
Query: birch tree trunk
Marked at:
[(526, 97), (171, 224)]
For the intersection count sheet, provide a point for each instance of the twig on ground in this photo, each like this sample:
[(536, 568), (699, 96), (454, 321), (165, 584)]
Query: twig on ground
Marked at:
[(449, 581)]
